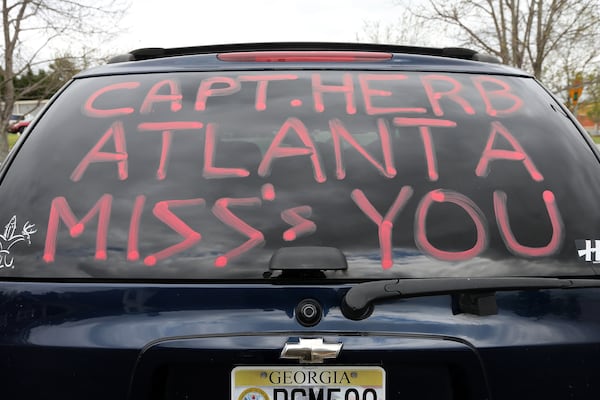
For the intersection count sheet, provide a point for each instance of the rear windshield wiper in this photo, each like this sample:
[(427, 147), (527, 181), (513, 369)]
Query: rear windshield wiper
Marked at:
[(477, 294)]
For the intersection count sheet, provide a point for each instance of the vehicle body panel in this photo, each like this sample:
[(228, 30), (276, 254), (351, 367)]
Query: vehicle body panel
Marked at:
[(56, 339)]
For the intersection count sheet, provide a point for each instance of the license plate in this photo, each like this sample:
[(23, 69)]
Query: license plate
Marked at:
[(308, 383)]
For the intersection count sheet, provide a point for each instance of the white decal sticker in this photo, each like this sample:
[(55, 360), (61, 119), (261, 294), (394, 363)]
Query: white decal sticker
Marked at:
[(588, 250), (8, 239)]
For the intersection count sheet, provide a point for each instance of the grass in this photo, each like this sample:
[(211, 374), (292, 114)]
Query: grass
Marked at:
[(595, 138), (12, 139)]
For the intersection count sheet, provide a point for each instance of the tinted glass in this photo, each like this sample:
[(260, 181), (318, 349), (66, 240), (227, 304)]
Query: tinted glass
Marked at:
[(205, 175)]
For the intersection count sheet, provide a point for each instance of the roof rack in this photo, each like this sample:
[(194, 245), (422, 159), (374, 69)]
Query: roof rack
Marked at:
[(158, 52)]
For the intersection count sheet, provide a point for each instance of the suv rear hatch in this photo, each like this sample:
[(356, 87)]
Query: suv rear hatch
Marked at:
[(136, 248)]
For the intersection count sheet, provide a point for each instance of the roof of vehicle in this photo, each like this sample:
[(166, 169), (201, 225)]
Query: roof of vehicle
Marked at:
[(204, 58)]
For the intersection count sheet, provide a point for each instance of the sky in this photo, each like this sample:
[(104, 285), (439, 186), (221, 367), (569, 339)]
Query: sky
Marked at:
[(176, 23)]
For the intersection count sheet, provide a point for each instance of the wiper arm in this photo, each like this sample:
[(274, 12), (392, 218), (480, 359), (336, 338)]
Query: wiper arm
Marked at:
[(357, 304)]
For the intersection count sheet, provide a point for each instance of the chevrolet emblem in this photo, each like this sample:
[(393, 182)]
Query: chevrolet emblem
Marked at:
[(312, 351)]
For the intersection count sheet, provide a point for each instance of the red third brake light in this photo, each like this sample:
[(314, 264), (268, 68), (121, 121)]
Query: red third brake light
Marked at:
[(305, 56)]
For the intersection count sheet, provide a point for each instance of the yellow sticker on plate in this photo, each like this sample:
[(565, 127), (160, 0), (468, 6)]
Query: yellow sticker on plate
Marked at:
[(308, 383)]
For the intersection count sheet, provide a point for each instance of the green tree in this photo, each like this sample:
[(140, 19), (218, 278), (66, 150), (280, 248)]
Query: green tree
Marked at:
[(62, 69), (28, 85), (42, 84)]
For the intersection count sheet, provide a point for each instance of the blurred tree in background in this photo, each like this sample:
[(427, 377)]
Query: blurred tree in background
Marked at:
[(592, 106), (552, 39), (29, 27)]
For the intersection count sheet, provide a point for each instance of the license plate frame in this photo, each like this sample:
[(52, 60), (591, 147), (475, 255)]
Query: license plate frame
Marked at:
[(307, 382)]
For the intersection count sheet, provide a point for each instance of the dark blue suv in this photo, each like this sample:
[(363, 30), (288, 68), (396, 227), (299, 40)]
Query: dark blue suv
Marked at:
[(301, 221)]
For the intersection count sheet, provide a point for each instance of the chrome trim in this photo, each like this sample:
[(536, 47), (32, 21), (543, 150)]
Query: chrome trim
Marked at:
[(311, 351)]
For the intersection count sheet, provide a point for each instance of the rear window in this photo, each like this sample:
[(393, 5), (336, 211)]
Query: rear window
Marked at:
[(205, 175)]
